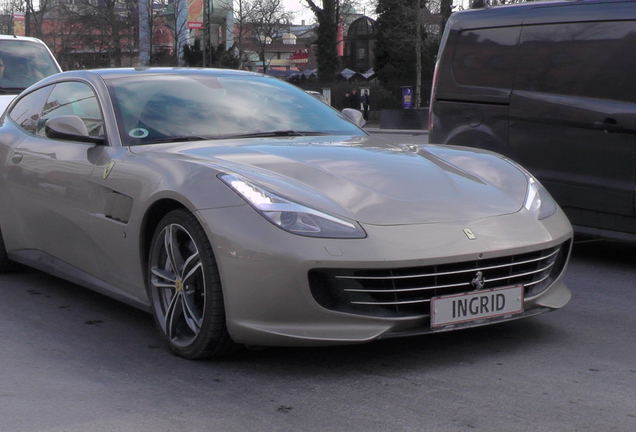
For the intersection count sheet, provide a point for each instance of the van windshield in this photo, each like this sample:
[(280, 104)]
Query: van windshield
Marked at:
[(23, 63)]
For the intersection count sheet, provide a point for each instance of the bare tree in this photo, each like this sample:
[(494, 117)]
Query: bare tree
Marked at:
[(7, 9), (446, 8), (423, 17), (146, 30), (34, 21), (63, 30), (110, 27), (244, 11), (173, 18), (268, 21)]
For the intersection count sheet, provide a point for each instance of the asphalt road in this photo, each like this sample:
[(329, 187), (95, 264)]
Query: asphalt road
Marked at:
[(72, 360)]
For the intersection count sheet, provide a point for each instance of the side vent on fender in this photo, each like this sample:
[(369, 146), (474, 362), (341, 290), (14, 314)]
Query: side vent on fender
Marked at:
[(118, 207)]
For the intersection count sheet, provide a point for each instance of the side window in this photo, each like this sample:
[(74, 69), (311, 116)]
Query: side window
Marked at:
[(589, 59), (27, 111), (486, 57), (73, 98)]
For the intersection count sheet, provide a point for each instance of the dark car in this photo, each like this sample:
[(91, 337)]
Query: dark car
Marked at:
[(551, 86)]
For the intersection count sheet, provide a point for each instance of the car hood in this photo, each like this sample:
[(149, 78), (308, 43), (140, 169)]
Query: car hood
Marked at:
[(370, 179)]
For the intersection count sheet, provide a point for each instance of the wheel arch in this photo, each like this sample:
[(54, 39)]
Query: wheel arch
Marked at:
[(482, 137), (4, 259), (211, 337), (151, 220)]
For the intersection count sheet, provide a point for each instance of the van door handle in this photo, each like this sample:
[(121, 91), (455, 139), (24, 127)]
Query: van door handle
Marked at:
[(16, 158), (608, 125)]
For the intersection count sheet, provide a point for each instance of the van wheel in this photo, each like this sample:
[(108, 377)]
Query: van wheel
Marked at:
[(185, 289), (4, 259)]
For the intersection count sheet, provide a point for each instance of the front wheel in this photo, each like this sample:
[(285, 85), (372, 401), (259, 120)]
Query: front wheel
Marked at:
[(185, 289)]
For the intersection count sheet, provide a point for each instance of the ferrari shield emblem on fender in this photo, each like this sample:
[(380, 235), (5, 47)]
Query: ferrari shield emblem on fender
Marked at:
[(107, 169), (469, 234)]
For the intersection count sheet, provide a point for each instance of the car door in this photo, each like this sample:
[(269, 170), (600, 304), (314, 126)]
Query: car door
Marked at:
[(51, 186), (573, 117)]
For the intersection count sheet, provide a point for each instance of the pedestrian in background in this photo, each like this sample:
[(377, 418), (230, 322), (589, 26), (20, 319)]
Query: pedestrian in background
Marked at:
[(366, 101), (346, 101), (355, 100)]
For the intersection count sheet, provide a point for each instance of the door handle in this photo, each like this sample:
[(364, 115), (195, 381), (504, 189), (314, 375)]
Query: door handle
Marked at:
[(608, 125), (16, 158)]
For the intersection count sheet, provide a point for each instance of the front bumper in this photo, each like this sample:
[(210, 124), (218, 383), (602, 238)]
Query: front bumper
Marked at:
[(265, 272)]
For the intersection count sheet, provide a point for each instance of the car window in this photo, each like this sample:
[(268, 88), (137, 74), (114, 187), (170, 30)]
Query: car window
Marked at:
[(24, 62), (28, 110), (73, 98)]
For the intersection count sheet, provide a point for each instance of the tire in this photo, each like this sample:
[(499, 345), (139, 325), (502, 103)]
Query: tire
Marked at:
[(4, 259), (185, 289)]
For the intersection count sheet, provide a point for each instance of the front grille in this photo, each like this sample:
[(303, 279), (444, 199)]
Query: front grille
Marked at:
[(407, 291)]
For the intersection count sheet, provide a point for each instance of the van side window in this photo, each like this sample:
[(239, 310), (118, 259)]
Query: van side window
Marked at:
[(486, 57), (589, 59)]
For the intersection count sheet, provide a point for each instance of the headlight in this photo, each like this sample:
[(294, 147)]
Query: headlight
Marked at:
[(290, 216), (538, 200)]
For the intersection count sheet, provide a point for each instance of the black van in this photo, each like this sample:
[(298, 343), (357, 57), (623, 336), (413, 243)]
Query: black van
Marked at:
[(552, 86)]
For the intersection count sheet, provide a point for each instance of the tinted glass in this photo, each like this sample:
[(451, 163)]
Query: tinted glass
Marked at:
[(156, 108), (593, 59), (74, 98), (27, 111), (23, 63), (486, 57)]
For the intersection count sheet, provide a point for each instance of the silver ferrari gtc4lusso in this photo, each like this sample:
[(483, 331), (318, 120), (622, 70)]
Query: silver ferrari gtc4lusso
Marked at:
[(240, 210)]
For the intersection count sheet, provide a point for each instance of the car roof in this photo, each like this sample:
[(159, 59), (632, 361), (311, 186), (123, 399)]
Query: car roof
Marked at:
[(514, 14), (104, 75), (24, 38), (111, 73)]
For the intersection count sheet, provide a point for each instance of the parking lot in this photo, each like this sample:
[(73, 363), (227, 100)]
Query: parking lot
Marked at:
[(77, 361)]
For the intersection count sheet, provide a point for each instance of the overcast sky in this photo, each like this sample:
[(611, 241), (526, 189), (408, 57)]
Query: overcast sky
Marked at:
[(301, 12), (299, 7)]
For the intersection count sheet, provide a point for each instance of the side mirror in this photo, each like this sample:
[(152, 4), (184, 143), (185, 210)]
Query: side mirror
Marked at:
[(355, 116), (70, 128)]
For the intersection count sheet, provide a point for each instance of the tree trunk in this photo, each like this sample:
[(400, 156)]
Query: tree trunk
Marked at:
[(418, 56), (445, 11)]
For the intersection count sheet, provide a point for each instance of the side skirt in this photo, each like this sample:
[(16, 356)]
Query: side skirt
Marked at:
[(48, 264)]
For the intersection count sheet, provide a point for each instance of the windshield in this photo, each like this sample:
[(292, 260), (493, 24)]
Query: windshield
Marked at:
[(163, 108), (23, 63)]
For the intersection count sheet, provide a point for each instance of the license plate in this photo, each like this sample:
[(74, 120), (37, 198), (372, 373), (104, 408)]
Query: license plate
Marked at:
[(461, 308)]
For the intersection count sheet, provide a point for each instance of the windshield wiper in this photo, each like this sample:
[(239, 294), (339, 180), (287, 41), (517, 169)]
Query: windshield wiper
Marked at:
[(268, 134), (276, 133), (11, 90), (179, 139)]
